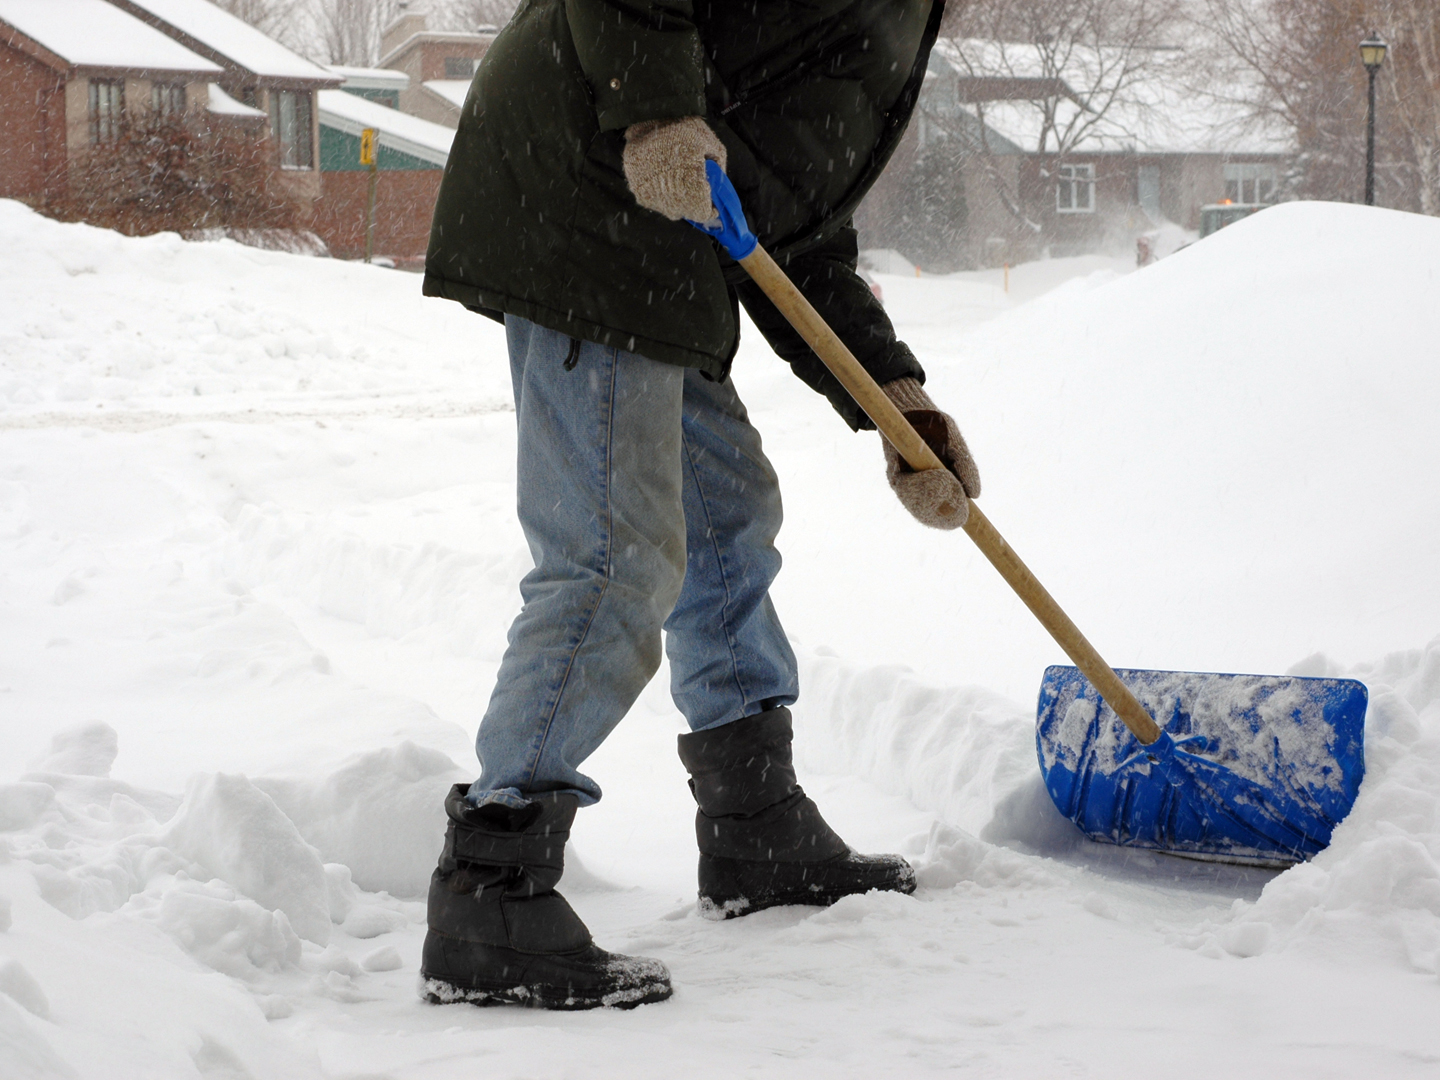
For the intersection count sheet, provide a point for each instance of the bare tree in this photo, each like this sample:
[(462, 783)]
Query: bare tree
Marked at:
[(349, 31), (163, 174), (1072, 69), (1413, 93), (284, 20), (1303, 62), (470, 15)]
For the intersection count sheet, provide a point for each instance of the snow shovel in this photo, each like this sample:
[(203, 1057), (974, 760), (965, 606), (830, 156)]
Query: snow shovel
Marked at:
[(1246, 768)]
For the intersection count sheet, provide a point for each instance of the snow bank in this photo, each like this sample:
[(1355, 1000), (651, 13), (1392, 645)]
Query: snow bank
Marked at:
[(236, 832), (958, 751), (24, 1051), (80, 325), (391, 589), (1169, 450), (221, 878), (221, 928), (84, 751), (382, 815), (258, 550), (1377, 886), (970, 756)]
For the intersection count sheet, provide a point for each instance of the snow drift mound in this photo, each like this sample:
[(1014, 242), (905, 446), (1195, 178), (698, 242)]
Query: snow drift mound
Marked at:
[(237, 833), (382, 814), (970, 757), (1211, 462), (1380, 876), (79, 324)]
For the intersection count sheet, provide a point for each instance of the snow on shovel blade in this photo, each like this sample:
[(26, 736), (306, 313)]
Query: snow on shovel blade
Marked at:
[(1250, 768)]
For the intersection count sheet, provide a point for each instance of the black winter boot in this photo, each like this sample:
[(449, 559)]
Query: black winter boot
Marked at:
[(762, 842), (499, 932)]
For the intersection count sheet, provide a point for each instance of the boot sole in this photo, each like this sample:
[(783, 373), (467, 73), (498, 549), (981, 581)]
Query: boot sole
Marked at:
[(441, 992), (590, 978), (732, 888)]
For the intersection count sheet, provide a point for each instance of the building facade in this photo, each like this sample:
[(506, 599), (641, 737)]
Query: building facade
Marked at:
[(72, 74), (439, 63), (1051, 162), (410, 160), (258, 72)]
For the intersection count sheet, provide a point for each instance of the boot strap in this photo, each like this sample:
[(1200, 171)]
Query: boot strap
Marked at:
[(537, 924), (531, 850), (741, 767), (790, 831)]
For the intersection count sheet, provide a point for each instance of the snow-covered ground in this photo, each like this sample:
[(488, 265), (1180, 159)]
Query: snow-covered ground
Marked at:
[(258, 553)]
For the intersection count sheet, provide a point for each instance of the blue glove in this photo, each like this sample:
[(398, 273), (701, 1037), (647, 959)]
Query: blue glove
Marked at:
[(732, 232)]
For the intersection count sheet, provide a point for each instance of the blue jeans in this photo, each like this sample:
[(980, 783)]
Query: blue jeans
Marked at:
[(648, 505)]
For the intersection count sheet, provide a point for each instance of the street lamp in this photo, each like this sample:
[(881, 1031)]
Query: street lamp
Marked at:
[(1372, 55)]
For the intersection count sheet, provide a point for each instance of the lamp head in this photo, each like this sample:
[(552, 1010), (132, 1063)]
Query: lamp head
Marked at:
[(1372, 51)]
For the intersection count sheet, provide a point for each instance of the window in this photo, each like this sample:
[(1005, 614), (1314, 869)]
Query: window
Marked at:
[(290, 124), (1075, 190), (168, 99), (460, 67), (1250, 185), (107, 109), (1147, 188)]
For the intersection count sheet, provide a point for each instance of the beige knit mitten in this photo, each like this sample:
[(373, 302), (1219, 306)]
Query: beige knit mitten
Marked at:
[(936, 498), (664, 162)]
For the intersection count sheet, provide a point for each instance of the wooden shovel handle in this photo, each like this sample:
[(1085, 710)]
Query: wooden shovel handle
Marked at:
[(892, 423)]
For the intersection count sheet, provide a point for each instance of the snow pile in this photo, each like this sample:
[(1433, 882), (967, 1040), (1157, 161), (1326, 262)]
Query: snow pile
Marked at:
[(1212, 463), (84, 751), (381, 815), (1377, 886), (81, 325), (957, 751), (236, 832), (970, 756), (222, 875), (247, 633), (391, 589), (220, 927)]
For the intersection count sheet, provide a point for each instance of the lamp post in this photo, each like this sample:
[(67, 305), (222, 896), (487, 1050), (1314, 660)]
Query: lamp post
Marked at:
[(1372, 55)]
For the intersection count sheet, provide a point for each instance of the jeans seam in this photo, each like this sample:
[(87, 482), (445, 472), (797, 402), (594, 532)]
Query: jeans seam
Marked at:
[(605, 570), (720, 565)]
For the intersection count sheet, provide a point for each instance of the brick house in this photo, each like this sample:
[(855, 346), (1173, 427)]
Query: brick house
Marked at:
[(439, 63), (410, 157), (71, 71), (258, 72), (1150, 160)]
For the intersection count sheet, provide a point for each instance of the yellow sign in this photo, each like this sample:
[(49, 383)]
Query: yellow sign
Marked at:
[(367, 146)]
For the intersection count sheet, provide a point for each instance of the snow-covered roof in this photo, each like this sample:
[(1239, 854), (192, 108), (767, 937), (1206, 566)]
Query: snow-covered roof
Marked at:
[(411, 135), (460, 36), (92, 33), (234, 39), (1157, 112), (452, 90), (363, 78), (222, 104)]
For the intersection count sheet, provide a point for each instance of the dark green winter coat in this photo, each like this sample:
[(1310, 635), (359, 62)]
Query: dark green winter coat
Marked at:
[(809, 96)]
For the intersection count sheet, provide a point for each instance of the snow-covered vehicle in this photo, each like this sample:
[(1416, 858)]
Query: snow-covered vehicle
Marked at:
[(1216, 216)]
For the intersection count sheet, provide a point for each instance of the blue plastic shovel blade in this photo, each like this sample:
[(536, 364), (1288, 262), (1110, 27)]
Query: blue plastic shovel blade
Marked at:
[(1252, 768)]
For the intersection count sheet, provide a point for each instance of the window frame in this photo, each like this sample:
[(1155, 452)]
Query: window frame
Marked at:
[(452, 62), (1248, 177), (1078, 178), (1149, 182), (107, 110), (168, 99), (293, 110)]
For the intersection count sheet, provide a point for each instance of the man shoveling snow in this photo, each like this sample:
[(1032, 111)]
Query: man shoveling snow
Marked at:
[(644, 494)]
